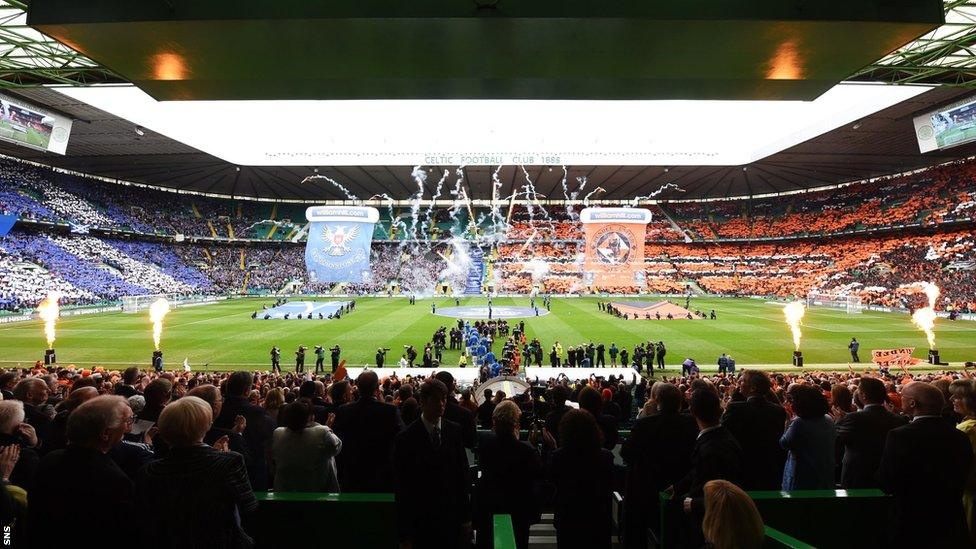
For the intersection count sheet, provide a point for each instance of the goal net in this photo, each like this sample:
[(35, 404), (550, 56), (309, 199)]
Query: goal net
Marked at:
[(850, 303), (136, 303)]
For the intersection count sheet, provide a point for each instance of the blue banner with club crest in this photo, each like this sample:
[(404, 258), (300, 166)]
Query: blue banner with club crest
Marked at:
[(339, 240)]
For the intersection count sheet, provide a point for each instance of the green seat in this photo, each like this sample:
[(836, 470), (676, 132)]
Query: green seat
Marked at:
[(503, 533), (310, 519)]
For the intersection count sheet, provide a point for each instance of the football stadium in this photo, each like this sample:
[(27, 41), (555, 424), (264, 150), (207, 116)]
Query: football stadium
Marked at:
[(488, 275)]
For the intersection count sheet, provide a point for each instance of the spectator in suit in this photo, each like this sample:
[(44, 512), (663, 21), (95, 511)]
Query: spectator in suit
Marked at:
[(34, 392), (127, 387), (56, 437), (582, 472), (657, 454), (862, 435), (304, 452), (810, 441), (716, 455), (431, 471), (8, 380), (731, 518), (559, 395), (757, 424), (202, 489), (509, 471), (457, 413), (15, 431), (485, 411), (367, 429), (963, 397), (235, 441), (591, 401), (924, 466), (96, 486), (258, 426)]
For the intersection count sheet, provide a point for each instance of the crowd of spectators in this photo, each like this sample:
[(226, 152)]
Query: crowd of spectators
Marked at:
[(192, 448)]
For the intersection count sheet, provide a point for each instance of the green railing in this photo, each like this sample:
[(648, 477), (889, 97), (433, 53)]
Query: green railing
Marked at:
[(820, 518), (503, 533), (292, 519), (777, 539)]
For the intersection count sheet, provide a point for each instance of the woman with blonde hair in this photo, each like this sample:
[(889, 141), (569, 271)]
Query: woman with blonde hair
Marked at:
[(731, 518), (273, 402)]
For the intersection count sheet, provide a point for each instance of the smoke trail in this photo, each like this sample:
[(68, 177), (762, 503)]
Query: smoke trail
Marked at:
[(157, 311), (335, 183), (49, 311), (663, 188), (794, 314)]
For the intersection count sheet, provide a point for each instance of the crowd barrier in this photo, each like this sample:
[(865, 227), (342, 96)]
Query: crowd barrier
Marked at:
[(820, 518), (299, 519)]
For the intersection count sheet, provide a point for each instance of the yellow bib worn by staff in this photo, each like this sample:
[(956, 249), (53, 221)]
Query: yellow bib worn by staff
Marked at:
[(463, 361)]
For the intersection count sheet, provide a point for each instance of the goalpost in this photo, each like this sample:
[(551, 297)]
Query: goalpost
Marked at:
[(850, 303), (136, 303)]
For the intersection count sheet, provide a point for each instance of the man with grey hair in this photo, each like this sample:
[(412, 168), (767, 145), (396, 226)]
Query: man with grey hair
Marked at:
[(924, 466), (34, 392), (13, 430), (96, 483)]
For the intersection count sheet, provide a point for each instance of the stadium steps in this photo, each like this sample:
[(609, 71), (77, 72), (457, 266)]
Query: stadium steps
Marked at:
[(674, 224), (542, 535), (196, 211), (213, 231)]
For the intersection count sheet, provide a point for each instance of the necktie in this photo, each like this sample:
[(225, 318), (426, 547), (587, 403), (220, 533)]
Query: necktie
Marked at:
[(436, 437)]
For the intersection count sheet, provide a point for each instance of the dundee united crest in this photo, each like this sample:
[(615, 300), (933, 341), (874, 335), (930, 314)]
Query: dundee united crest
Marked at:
[(612, 246)]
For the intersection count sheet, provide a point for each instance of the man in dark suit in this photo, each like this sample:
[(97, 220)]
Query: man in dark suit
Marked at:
[(33, 392), (257, 432), (485, 410), (454, 412), (757, 425), (560, 394), (97, 486), (716, 455), (657, 454), (432, 485), (862, 434), (367, 429), (925, 465)]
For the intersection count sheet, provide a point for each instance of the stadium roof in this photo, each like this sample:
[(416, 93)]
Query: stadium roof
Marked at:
[(864, 146)]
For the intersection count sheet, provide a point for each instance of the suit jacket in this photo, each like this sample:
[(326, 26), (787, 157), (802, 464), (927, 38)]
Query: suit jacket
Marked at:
[(584, 488), (464, 418), (26, 467), (37, 418), (432, 487), (657, 454), (201, 489), (924, 466), (367, 429), (716, 455), (99, 489), (862, 435), (485, 411), (757, 425), (257, 436), (510, 471)]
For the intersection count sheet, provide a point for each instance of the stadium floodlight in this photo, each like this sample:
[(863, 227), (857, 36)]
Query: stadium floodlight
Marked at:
[(631, 133)]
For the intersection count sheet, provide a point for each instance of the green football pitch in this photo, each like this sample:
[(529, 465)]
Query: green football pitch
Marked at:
[(223, 336)]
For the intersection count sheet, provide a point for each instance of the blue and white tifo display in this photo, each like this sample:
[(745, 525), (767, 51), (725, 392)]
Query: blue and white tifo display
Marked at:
[(339, 241), (304, 310)]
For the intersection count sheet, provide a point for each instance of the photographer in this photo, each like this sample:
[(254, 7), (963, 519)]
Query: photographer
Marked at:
[(334, 354), (300, 359), (320, 359), (276, 359), (381, 356)]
